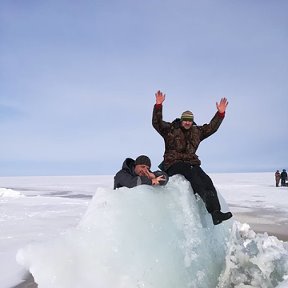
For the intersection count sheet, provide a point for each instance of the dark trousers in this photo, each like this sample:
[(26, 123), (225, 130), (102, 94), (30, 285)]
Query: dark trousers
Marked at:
[(200, 182)]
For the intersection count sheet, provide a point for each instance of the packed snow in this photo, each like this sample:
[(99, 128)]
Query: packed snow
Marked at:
[(77, 232)]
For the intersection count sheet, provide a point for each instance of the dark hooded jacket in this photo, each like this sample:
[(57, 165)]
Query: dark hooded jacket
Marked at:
[(283, 175), (127, 177), (181, 144)]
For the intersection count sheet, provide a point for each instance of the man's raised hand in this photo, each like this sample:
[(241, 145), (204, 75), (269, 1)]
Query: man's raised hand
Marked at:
[(160, 97), (221, 107)]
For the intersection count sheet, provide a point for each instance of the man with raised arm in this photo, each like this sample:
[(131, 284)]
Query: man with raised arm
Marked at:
[(182, 138)]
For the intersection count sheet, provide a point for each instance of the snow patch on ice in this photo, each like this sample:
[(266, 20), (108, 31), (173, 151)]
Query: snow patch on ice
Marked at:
[(6, 192)]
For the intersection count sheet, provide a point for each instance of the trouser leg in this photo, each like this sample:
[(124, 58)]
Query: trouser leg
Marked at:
[(203, 185), (181, 168), (200, 182)]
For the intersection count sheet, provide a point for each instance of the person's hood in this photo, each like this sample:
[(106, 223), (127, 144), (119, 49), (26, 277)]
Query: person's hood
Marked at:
[(176, 123), (129, 164)]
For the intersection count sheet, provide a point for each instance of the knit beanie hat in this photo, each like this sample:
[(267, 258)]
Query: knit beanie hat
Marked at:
[(187, 116), (143, 160)]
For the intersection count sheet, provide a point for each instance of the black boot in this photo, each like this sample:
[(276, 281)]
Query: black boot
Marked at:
[(219, 216)]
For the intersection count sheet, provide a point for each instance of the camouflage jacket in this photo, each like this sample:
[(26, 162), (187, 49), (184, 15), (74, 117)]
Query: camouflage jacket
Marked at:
[(182, 144)]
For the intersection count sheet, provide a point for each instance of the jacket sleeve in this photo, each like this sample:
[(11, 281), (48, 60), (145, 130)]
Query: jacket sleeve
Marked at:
[(212, 127), (123, 178), (162, 173), (157, 120)]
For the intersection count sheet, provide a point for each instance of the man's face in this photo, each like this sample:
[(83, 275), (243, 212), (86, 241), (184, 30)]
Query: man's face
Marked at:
[(141, 170), (186, 124)]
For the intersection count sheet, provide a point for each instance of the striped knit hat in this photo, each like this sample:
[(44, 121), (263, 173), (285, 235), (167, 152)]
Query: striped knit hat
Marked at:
[(187, 116)]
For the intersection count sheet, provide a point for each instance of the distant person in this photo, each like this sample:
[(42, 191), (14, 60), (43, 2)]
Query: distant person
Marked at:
[(137, 172), (182, 138), (277, 177), (283, 177)]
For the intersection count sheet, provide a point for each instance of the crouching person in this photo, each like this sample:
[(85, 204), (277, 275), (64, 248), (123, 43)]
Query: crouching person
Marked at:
[(137, 172)]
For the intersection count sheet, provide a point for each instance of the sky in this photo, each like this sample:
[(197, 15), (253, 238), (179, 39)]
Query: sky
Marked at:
[(78, 82)]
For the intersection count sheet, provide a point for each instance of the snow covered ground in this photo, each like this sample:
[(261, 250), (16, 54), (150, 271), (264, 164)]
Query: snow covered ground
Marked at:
[(78, 232)]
